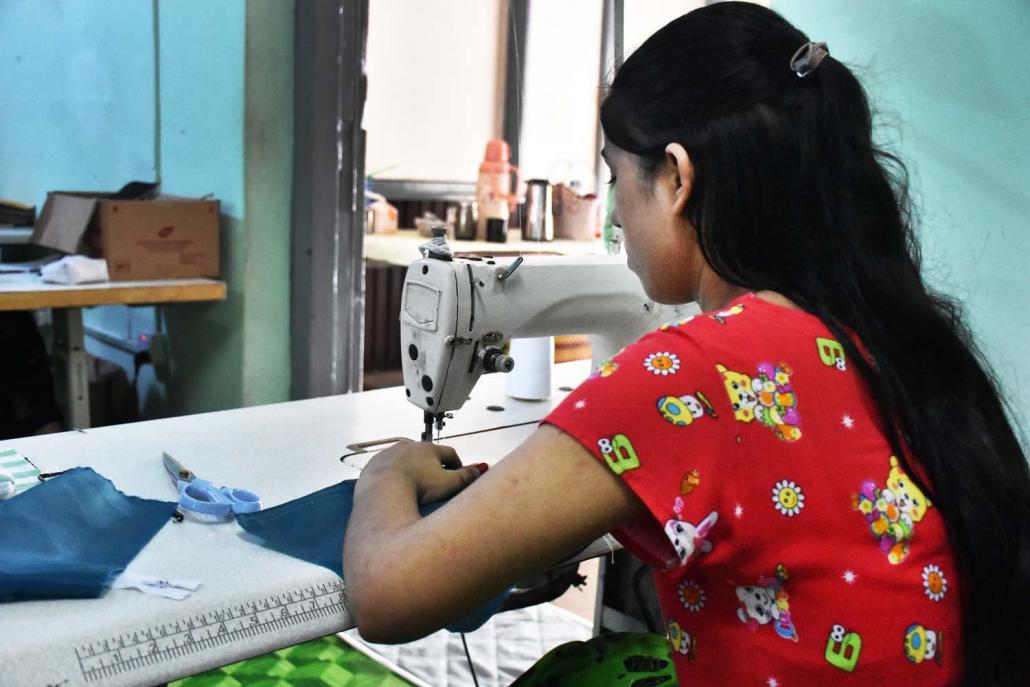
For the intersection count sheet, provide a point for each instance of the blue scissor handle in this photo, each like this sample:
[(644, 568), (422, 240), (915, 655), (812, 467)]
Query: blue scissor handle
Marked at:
[(243, 501), (202, 496)]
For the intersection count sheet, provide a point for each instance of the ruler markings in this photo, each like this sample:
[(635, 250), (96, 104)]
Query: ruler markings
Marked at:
[(140, 648)]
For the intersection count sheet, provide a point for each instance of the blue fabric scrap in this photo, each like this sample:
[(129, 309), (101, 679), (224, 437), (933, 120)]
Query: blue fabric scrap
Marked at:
[(312, 528), (69, 537)]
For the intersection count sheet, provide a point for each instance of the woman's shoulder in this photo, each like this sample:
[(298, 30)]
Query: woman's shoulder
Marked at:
[(742, 319)]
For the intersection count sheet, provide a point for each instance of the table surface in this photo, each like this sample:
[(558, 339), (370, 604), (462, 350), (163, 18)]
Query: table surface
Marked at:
[(401, 247), (30, 292), (253, 600)]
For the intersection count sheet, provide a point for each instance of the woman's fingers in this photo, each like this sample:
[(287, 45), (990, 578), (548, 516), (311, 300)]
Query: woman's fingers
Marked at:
[(448, 457), (450, 482)]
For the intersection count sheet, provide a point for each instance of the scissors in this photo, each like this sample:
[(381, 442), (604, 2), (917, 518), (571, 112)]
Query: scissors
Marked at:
[(201, 496)]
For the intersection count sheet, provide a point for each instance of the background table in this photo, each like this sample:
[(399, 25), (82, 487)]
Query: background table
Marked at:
[(253, 600), (401, 247), (29, 292)]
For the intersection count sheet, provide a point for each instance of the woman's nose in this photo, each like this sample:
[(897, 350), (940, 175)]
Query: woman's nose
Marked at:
[(615, 217)]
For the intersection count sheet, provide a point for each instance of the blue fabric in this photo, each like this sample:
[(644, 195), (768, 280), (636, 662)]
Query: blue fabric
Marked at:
[(312, 527), (69, 537)]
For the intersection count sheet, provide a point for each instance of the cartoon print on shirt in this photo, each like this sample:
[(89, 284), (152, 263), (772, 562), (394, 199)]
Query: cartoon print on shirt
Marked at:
[(686, 538), (788, 498), (777, 403), (892, 512), (662, 363), (683, 410), (935, 584), (843, 648), (691, 596), (605, 369), (922, 644), (619, 453), (768, 396), (721, 316), (676, 323), (690, 482), (767, 602), (831, 353), (680, 641), (738, 387)]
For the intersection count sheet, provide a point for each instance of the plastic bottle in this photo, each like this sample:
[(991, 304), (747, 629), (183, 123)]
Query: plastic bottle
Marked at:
[(495, 193), (383, 215)]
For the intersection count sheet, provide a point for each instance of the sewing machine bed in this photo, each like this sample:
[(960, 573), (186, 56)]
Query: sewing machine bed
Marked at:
[(252, 600)]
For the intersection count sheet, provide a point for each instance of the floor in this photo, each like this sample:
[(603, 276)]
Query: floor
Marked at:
[(582, 600)]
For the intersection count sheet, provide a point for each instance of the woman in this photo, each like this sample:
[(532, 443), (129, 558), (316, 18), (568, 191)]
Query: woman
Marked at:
[(820, 468)]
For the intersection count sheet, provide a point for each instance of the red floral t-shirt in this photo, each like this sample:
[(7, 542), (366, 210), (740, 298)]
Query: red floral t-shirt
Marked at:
[(790, 546)]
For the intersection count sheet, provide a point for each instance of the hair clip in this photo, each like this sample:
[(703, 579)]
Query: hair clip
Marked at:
[(808, 58)]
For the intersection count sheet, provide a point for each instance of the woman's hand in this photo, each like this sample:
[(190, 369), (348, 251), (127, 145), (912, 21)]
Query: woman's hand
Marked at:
[(409, 575), (434, 472)]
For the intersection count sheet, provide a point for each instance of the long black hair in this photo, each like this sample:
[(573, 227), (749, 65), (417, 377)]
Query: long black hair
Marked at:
[(791, 194)]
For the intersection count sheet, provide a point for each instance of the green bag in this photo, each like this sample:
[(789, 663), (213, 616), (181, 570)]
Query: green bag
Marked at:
[(622, 659)]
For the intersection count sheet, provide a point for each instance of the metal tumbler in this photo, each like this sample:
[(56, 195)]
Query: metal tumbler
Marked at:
[(465, 222), (539, 224)]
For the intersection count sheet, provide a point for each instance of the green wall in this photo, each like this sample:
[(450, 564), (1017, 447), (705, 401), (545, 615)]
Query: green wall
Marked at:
[(201, 47), (199, 95), (226, 79), (268, 141), (951, 82)]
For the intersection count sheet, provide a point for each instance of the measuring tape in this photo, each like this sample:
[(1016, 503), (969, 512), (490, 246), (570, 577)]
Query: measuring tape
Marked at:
[(153, 645)]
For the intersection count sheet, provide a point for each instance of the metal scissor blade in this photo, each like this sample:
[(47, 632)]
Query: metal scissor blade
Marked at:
[(176, 469)]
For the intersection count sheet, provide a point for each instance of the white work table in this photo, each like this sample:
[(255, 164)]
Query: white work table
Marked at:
[(253, 600)]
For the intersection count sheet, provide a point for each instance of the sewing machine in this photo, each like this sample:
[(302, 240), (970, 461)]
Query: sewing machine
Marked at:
[(458, 314)]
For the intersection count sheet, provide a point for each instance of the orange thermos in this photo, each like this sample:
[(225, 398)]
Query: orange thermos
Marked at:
[(495, 193)]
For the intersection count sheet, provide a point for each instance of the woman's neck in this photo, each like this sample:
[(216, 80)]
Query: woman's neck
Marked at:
[(714, 293)]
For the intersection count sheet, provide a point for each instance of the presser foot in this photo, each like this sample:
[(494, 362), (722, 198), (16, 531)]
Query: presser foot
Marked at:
[(433, 421)]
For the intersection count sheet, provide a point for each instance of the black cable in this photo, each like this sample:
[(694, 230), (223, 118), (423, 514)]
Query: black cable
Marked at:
[(468, 656)]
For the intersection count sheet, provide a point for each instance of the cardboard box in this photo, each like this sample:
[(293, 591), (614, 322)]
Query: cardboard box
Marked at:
[(163, 238)]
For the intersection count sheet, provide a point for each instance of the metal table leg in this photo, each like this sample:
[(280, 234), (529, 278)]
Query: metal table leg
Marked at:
[(70, 350)]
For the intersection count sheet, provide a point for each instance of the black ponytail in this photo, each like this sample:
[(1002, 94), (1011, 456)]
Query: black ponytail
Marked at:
[(791, 194)]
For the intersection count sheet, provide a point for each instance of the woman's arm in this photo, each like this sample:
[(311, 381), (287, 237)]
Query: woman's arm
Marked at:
[(407, 576)]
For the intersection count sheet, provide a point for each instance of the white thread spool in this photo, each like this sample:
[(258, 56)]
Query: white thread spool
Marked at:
[(531, 378)]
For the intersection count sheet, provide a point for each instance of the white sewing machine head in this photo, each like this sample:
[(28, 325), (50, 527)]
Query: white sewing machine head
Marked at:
[(457, 314)]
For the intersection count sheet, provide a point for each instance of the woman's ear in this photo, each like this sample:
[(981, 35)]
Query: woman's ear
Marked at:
[(683, 171)]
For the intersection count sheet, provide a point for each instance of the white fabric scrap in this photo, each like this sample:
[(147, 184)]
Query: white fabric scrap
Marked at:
[(156, 586), (504, 648), (7, 486), (75, 269), (16, 473)]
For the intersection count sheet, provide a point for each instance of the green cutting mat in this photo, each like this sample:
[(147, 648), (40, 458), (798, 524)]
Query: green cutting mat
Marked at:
[(325, 662)]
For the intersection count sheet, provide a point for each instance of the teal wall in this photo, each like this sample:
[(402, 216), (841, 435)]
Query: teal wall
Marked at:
[(201, 58), (951, 81), (197, 94), (78, 96)]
